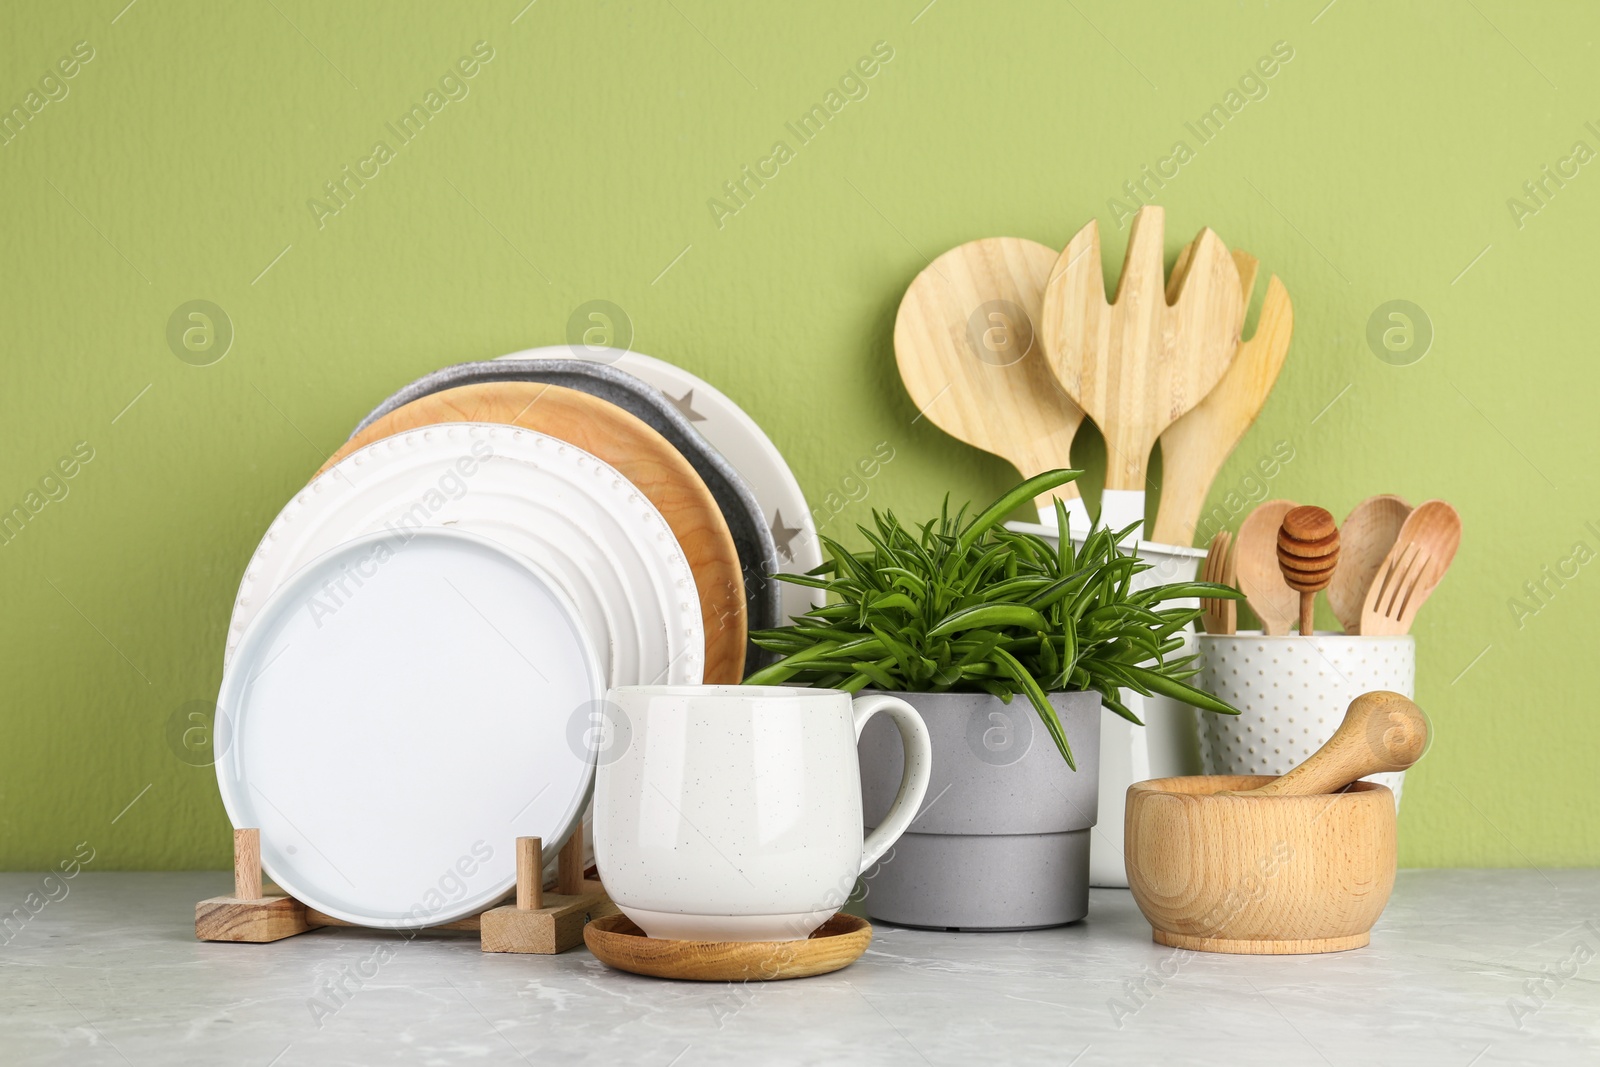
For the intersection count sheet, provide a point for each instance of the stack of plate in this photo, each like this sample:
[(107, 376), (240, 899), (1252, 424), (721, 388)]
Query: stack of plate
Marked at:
[(422, 641)]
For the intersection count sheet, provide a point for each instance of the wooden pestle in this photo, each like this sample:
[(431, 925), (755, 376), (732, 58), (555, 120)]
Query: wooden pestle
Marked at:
[(1381, 731), (1308, 551)]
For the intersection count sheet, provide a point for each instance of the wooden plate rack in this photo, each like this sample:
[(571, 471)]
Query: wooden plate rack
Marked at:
[(534, 921)]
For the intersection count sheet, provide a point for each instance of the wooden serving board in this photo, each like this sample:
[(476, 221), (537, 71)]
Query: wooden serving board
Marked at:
[(640, 454)]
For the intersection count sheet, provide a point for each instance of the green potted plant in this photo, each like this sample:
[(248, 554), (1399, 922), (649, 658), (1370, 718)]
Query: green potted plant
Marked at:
[(959, 616)]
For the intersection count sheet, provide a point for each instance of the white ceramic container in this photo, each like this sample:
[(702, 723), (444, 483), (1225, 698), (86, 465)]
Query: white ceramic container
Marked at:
[(733, 813), (1292, 693), (1168, 744)]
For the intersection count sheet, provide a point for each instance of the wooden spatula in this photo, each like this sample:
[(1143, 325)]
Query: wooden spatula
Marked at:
[(1194, 448), (1381, 732), (1369, 531), (969, 353), (1138, 363)]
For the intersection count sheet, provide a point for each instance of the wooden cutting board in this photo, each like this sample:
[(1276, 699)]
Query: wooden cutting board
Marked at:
[(640, 454), (971, 359)]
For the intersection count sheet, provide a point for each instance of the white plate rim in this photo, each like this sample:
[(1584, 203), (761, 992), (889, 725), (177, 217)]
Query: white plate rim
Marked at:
[(684, 651), (805, 547)]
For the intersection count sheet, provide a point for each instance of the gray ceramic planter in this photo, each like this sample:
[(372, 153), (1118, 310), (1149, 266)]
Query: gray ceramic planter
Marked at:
[(1002, 842)]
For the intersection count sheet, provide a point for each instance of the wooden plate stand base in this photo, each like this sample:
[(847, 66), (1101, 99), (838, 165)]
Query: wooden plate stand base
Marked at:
[(537, 921)]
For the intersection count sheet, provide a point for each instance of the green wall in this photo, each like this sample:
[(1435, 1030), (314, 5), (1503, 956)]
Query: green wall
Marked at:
[(579, 166)]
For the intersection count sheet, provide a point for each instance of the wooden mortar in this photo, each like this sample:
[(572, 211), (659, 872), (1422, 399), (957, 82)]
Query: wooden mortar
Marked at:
[(1285, 870)]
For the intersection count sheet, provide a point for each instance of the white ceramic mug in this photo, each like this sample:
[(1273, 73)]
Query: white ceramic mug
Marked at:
[(733, 813)]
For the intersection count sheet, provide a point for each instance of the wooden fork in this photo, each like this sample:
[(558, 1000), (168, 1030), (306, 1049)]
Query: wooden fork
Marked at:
[(1220, 616), (1412, 569)]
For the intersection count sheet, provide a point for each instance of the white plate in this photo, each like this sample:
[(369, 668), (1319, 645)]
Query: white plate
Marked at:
[(742, 443), (602, 542), (397, 715)]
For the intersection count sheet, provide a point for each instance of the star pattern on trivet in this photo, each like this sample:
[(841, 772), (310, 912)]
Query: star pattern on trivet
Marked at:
[(783, 535), (685, 406)]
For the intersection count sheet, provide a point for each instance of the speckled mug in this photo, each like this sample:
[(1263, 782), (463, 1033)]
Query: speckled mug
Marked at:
[(1292, 693), (733, 812)]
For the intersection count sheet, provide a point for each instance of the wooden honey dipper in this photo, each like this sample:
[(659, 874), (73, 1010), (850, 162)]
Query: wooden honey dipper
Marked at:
[(1308, 551)]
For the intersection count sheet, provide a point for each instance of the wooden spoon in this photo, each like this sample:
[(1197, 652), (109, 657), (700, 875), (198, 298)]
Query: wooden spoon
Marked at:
[(1369, 531), (965, 339), (1308, 552), (1381, 732), (1412, 569), (1194, 447), (1138, 363), (1255, 554)]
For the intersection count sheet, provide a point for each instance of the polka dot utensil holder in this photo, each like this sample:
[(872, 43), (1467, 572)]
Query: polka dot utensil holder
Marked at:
[(1292, 693)]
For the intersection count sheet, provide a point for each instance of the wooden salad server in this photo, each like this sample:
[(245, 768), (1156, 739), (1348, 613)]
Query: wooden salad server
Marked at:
[(1308, 552), (1194, 447), (1255, 554), (966, 341), (1381, 732), (1369, 531), (1412, 569), (1137, 363)]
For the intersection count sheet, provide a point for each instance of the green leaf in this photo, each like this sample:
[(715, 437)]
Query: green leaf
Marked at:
[(1112, 701), (1041, 703), (805, 580), (875, 671), (990, 615), (1188, 694), (997, 512), (1187, 590), (893, 600)]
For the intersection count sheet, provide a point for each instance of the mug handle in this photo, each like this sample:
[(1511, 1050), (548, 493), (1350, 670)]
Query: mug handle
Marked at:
[(913, 783)]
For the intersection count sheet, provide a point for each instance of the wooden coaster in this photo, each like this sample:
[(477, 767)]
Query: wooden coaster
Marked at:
[(617, 942)]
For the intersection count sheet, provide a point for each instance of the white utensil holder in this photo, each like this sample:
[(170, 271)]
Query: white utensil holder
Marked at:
[(1292, 693), (1167, 745)]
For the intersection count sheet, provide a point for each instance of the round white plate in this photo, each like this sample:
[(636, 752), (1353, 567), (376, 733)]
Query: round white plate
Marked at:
[(397, 715), (601, 540), (741, 441)]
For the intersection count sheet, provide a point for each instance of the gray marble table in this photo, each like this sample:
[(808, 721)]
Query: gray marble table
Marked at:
[(1465, 968)]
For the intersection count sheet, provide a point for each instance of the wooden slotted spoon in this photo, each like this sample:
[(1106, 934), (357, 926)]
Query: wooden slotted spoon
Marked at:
[(1194, 447), (966, 341), (1255, 554), (1413, 568), (1369, 531), (1138, 363)]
